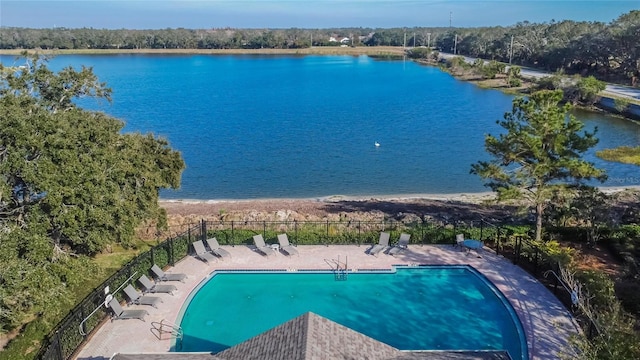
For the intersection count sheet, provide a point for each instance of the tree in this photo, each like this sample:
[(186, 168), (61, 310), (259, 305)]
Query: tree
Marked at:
[(589, 88), (70, 182), (591, 207), (92, 183), (540, 152), (513, 76)]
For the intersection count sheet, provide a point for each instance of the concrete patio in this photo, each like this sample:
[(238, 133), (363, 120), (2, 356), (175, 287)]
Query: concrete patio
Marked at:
[(545, 320)]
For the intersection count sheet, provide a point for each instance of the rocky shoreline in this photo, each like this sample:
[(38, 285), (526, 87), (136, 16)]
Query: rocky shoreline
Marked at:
[(445, 208), (448, 208)]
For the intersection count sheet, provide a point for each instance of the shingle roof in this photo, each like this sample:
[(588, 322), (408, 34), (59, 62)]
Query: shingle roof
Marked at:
[(307, 337), (313, 337)]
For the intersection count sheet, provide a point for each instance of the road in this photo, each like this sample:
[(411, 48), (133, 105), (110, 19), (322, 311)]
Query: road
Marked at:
[(615, 90)]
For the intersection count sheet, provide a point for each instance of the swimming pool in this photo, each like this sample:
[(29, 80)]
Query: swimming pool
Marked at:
[(416, 308)]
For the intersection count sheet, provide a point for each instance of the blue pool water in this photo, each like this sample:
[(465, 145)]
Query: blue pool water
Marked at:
[(426, 308)]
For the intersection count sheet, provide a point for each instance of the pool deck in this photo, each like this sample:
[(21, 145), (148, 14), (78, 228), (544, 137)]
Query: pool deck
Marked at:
[(545, 320)]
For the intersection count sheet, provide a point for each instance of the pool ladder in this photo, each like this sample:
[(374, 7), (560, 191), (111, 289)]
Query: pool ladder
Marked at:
[(340, 269), (165, 327)]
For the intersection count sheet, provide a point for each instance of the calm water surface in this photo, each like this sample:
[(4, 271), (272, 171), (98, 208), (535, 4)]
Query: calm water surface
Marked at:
[(299, 127)]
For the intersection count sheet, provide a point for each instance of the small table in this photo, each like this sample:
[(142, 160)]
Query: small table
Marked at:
[(275, 247), (472, 244)]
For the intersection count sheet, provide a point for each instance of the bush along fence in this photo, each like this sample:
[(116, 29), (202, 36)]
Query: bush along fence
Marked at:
[(508, 241), (345, 232)]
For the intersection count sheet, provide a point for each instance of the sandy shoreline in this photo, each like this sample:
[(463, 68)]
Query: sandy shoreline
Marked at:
[(465, 197), (469, 197)]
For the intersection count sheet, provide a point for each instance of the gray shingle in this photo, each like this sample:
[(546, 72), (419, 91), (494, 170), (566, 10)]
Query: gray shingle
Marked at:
[(313, 337)]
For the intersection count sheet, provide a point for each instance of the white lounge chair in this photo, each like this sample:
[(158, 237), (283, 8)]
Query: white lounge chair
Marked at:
[(163, 276), (460, 241), (402, 244), (258, 240), (202, 253), (119, 313), (216, 249), (382, 244), (150, 287), (137, 298), (283, 240)]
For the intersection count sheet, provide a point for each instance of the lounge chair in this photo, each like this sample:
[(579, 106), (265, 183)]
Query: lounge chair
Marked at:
[(137, 298), (202, 253), (216, 249), (402, 244), (283, 240), (382, 244), (163, 276), (119, 313), (258, 240), (460, 241), (149, 287)]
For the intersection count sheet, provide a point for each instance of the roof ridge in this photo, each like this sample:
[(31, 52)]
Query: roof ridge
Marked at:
[(305, 333)]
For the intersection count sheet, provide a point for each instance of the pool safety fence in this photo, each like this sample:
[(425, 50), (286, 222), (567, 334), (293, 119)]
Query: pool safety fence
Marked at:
[(76, 327), (66, 338), (426, 232)]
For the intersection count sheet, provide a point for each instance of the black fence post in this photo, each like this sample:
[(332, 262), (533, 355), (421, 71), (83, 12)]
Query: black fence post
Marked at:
[(58, 346), (233, 236), (295, 231), (203, 229), (590, 331), (171, 257), (326, 241), (328, 230)]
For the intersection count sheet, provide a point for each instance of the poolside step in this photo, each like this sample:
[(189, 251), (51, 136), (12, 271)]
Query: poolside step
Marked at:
[(341, 275)]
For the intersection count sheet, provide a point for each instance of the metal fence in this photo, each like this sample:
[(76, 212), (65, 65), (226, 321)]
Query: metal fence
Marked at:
[(67, 337), (345, 232), (529, 256)]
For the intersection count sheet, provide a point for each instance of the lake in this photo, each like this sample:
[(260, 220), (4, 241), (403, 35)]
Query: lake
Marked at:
[(255, 126)]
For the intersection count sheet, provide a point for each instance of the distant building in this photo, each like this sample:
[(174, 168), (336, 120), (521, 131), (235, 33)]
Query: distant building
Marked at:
[(344, 40)]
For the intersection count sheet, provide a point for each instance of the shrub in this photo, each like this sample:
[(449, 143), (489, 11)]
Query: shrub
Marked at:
[(557, 254), (599, 286), (419, 53), (621, 105)]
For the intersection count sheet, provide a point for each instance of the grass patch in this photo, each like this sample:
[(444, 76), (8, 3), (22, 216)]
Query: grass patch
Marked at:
[(622, 154), (114, 260)]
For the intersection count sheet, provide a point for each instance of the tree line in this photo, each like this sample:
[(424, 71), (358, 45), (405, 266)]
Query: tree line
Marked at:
[(608, 51)]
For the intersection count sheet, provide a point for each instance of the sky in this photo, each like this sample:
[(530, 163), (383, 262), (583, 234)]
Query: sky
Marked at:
[(204, 14)]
